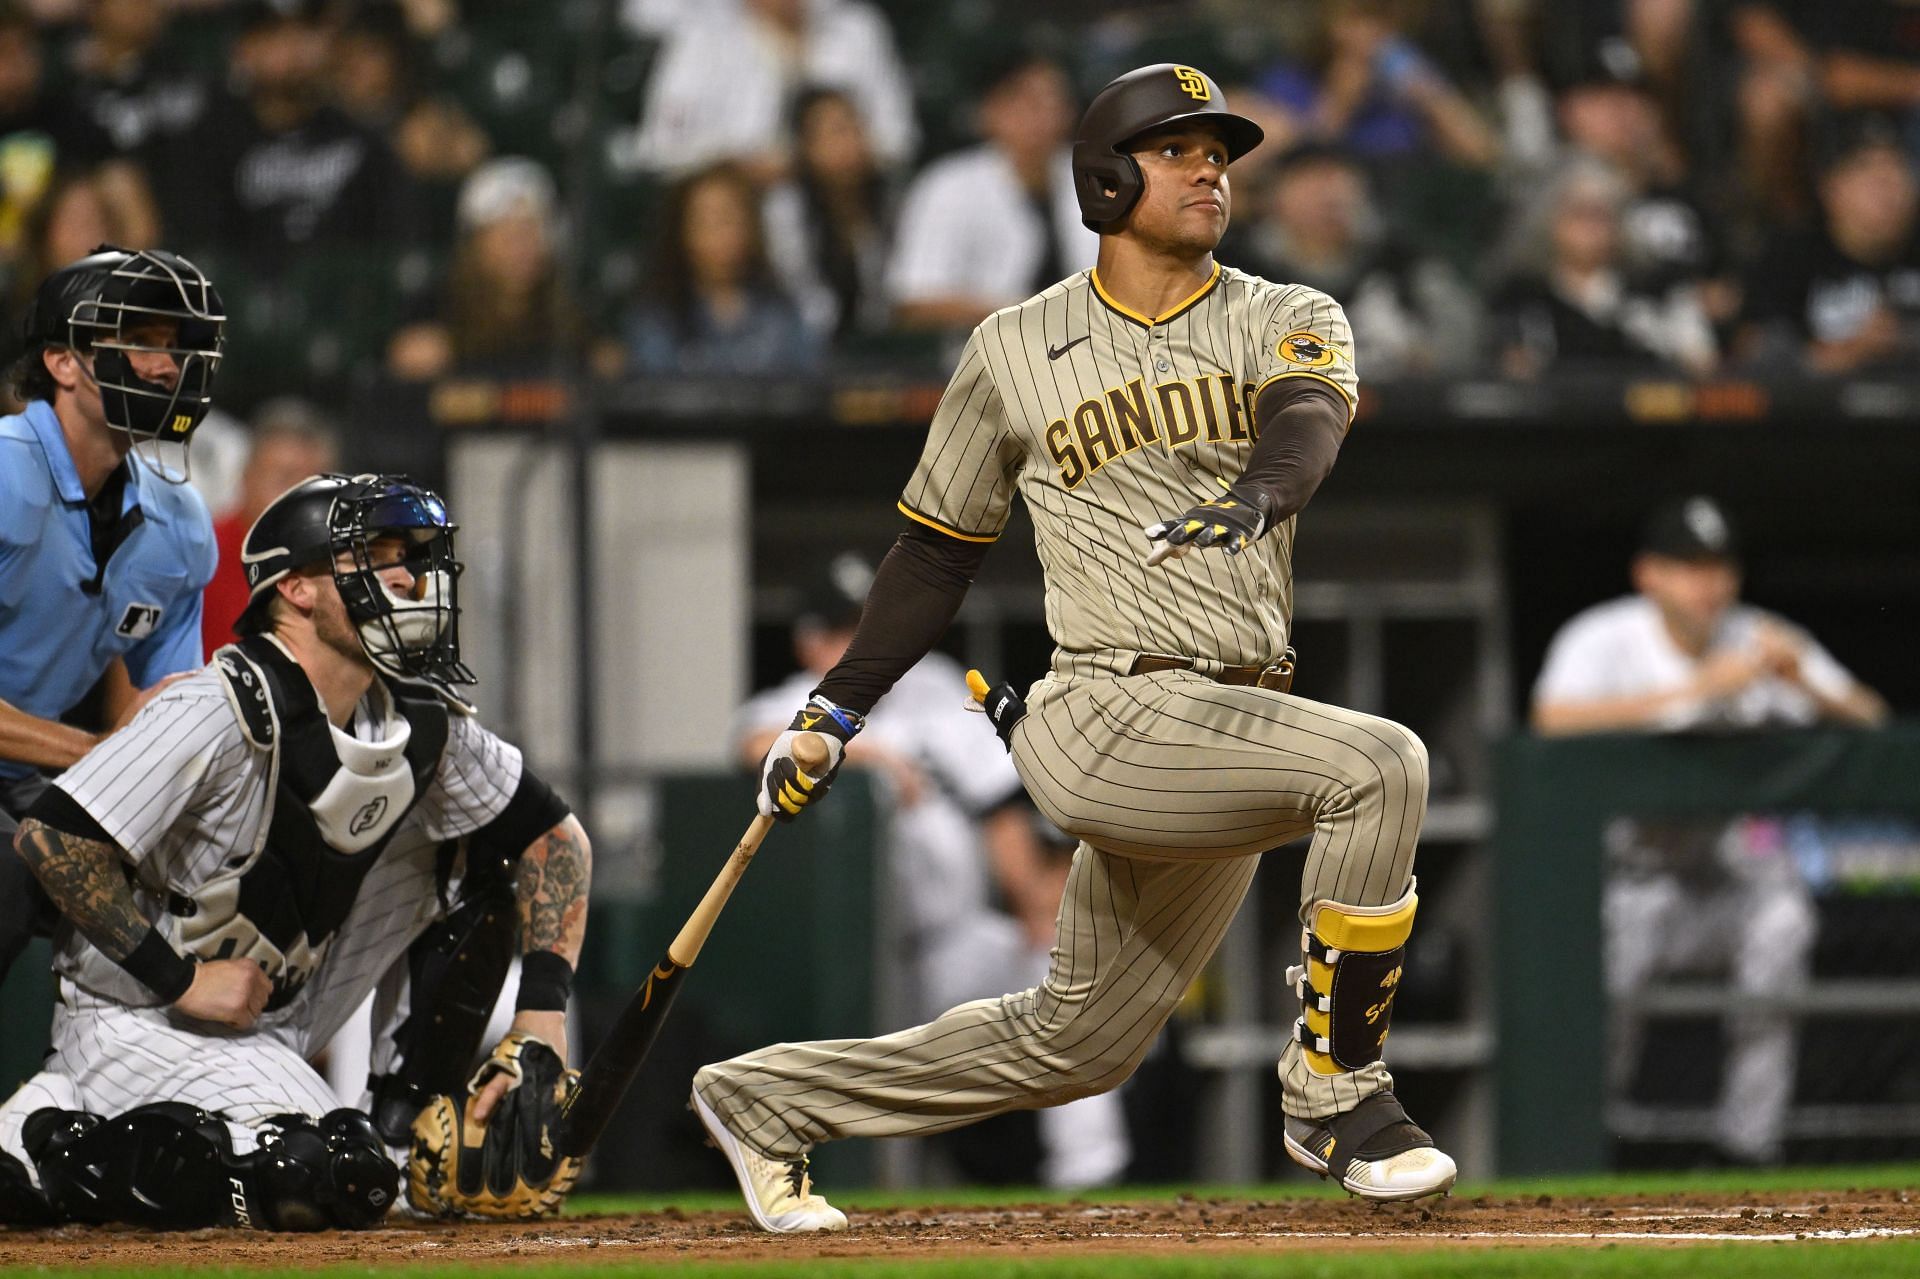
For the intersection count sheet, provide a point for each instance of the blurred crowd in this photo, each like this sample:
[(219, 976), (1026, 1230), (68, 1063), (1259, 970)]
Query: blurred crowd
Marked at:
[(411, 188)]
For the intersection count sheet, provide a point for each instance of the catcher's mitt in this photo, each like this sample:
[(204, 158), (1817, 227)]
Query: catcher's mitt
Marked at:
[(506, 1167)]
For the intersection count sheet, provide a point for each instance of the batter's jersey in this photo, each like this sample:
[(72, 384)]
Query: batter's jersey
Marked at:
[(189, 800), (1622, 648), (1105, 420), (62, 622)]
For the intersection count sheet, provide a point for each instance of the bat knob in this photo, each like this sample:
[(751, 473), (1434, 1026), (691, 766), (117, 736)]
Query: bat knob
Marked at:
[(811, 754), (977, 685)]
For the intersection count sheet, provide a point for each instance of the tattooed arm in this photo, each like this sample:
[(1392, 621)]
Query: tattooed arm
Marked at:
[(551, 885), (86, 879)]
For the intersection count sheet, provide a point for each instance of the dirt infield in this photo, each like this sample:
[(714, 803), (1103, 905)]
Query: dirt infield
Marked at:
[(1176, 1225)]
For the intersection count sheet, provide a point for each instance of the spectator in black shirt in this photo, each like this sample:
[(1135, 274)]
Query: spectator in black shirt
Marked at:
[(1317, 225), (1847, 295), (32, 110), (145, 101), (1610, 115), (39, 131), (284, 168), (1574, 303)]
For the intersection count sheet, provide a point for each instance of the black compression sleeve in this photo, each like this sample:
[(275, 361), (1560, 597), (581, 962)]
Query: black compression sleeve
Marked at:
[(915, 593), (63, 813), (532, 812), (1301, 426)]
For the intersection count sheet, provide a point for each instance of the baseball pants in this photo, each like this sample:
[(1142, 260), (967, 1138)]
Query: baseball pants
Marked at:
[(1174, 784), (107, 1059)]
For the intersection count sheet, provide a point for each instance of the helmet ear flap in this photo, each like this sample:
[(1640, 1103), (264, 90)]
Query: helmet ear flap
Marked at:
[(1109, 184)]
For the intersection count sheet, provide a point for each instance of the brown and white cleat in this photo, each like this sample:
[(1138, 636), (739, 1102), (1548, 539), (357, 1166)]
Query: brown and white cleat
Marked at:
[(778, 1192), (1374, 1151)]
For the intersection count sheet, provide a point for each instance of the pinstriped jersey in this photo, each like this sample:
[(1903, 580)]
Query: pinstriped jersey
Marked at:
[(189, 800), (1104, 421)]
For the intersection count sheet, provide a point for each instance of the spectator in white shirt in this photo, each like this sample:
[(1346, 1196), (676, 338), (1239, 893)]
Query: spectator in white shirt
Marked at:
[(725, 82), (1684, 653), (985, 227), (1681, 895)]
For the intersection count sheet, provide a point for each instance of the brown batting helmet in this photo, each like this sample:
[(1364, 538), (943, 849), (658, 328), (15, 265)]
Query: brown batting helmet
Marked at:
[(1105, 176)]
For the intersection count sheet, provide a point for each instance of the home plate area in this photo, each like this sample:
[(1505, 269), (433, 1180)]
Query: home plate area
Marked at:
[(1226, 1223)]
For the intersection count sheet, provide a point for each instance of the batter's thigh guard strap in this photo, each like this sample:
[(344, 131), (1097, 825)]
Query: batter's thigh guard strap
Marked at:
[(1346, 987)]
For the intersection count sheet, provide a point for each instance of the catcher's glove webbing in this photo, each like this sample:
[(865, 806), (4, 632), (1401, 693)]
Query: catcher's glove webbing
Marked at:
[(507, 1167)]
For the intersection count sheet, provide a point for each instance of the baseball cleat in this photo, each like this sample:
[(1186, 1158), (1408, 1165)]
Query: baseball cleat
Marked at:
[(1374, 1150), (778, 1192)]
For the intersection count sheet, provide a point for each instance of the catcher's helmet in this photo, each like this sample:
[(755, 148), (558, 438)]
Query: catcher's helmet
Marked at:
[(96, 304), (1105, 177), (330, 517)]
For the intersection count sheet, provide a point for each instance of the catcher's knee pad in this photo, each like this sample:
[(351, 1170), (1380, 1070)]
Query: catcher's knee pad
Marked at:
[(1347, 985), (329, 1173), (160, 1165), (171, 1166)]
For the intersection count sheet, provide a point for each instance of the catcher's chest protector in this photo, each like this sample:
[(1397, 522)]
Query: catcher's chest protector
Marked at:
[(330, 819)]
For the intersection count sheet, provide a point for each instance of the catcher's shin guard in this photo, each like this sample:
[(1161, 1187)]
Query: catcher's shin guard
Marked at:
[(170, 1166), (1347, 985)]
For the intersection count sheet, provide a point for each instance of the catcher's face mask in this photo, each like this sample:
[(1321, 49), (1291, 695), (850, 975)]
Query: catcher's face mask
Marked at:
[(415, 636)]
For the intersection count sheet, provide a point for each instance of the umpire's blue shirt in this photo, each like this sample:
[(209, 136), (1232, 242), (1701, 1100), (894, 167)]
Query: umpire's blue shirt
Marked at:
[(56, 638)]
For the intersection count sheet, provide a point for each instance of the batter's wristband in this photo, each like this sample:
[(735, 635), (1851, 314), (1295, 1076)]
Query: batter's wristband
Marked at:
[(159, 967), (546, 980)]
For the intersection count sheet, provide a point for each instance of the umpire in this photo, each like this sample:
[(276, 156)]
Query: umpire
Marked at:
[(102, 555)]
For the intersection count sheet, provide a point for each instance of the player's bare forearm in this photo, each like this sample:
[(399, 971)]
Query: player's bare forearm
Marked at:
[(551, 885), (43, 743), (84, 879)]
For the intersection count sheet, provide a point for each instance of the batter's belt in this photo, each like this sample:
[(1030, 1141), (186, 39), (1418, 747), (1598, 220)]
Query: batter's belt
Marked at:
[(1278, 677)]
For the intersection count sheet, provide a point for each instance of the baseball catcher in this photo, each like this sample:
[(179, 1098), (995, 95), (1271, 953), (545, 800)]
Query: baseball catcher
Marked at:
[(315, 812)]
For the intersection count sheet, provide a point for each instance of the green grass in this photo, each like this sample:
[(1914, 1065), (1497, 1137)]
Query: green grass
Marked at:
[(1722, 1261), (1759, 1181)]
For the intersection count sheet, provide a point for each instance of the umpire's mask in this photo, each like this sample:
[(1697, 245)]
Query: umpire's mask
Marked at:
[(108, 303)]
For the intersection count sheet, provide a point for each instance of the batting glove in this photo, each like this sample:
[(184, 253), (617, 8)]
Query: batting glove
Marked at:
[(1228, 522), (784, 788)]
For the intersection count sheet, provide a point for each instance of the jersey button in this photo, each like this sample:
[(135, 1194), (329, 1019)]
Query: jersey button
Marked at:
[(1162, 365)]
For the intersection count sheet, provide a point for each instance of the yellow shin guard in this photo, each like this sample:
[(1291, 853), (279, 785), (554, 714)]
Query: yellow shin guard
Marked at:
[(1347, 985)]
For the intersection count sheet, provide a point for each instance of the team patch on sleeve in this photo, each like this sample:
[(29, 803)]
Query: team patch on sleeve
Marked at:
[(1307, 349)]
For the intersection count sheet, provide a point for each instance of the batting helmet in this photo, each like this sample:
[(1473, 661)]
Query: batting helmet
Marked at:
[(331, 518), (100, 302), (1105, 176)]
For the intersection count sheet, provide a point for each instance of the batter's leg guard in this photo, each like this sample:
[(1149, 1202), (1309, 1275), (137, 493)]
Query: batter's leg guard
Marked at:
[(171, 1166), (1347, 985)]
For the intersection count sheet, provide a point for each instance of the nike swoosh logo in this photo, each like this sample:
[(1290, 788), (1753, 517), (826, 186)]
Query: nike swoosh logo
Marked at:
[(1055, 352)]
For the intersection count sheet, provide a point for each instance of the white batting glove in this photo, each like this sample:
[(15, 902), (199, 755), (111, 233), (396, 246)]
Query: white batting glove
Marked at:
[(784, 788)]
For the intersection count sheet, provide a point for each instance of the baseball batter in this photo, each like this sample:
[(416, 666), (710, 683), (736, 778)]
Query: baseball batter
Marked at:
[(1164, 418), (241, 865)]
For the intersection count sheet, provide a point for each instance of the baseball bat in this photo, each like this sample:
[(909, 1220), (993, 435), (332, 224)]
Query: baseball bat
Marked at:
[(618, 1059)]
